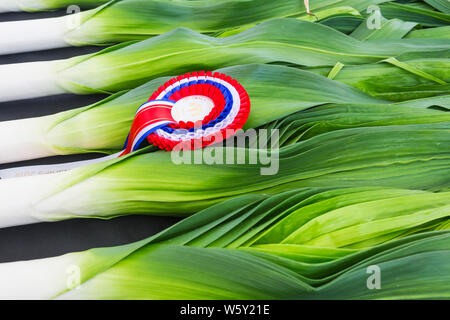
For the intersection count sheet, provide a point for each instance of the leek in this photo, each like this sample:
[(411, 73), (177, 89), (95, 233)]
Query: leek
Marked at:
[(260, 247), (128, 65), (408, 156), (139, 19), (103, 126)]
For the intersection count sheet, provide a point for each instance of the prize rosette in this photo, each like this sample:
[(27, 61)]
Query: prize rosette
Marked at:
[(190, 111)]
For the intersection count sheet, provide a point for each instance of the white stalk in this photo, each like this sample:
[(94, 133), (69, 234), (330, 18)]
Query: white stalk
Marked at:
[(35, 198), (57, 277), (24, 139), (37, 279), (17, 197), (28, 80), (10, 6), (32, 35)]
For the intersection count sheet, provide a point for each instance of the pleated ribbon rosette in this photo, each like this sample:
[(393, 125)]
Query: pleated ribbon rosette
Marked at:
[(190, 111)]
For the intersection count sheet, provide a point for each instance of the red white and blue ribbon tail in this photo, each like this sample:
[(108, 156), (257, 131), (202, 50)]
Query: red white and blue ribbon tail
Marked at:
[(151, 116)]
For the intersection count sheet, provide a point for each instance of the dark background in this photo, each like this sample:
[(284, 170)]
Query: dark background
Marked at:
[(56, 238)]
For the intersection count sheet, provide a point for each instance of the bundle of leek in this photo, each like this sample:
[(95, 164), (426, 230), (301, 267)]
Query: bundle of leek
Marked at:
[(260, 247)]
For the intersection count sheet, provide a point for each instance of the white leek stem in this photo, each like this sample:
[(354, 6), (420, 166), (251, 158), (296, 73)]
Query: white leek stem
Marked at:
[(9, 6), (24, 200), (17, 197), (32, 35), (28, 80), (23, 140), (37, 279)]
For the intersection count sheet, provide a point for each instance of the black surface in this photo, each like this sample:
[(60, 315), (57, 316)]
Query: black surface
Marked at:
[(51, 239), (270, 310)]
